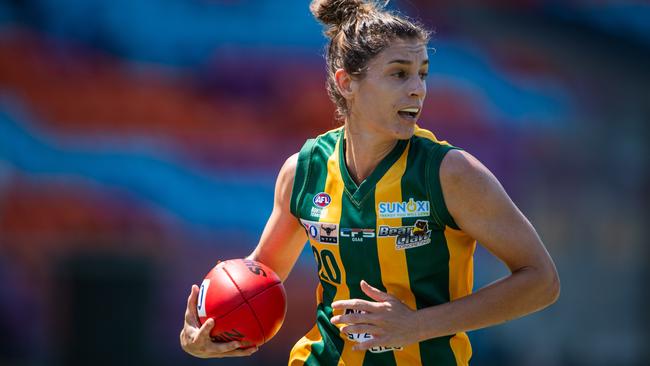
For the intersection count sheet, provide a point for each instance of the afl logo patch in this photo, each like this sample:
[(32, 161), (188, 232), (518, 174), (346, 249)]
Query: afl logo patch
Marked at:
[(322, 199)]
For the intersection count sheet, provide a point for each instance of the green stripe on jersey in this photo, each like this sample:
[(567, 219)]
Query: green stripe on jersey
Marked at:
[(328, 350), (428, 265), (361, 261)]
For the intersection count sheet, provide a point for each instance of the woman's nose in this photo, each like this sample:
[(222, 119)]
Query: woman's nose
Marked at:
[(418, 87)]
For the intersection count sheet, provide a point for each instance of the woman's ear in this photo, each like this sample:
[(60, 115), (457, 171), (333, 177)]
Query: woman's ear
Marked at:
[(345, 84)]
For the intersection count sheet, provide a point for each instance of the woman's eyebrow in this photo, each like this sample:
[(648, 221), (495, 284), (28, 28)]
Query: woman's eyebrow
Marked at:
[(407, 62)]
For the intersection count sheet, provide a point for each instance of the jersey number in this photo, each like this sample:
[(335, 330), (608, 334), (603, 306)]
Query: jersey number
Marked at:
[(328, 269)]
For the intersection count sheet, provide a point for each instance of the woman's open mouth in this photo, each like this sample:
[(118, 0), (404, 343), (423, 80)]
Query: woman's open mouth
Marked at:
[(410, 113)]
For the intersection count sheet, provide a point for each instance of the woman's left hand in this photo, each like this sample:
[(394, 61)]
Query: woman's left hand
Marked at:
[(387, 319)]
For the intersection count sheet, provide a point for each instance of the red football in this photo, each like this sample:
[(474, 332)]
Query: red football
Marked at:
[(246, 299)]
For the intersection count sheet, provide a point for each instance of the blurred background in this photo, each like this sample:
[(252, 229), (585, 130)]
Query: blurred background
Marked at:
[(140, 140)]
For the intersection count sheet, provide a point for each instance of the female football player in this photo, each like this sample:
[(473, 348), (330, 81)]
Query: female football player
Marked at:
[(392, 215)]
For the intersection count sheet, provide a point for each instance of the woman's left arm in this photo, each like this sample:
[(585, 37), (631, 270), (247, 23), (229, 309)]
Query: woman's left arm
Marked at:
[(482, 209)]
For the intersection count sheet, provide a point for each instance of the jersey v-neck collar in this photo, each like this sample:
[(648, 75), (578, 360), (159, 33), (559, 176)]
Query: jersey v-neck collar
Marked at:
[(358, 193)]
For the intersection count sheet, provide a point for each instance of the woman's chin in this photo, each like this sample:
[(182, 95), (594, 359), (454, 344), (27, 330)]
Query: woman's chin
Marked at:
[(404, 131)]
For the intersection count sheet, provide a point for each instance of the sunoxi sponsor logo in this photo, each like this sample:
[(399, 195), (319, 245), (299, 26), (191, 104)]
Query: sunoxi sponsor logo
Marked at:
[(411, 208), (322, 199)]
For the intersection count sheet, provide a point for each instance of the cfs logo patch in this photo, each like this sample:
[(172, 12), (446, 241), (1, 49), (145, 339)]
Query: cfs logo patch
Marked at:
[(411, 208), (357, 235), (408, 236), (322, 232), (322, 200)]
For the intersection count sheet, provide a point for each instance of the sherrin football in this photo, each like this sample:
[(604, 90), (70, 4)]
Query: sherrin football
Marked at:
[(246, 299)]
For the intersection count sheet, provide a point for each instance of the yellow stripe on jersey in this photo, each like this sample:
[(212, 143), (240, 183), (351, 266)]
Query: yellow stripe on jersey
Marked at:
[(461, 278), (350, 357), (421, 132), (332, 214), (302, 349), (394, 269), (334, 186)]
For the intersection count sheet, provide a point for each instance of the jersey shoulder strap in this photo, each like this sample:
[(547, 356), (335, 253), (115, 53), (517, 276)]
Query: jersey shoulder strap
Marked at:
[(435, 153), (434, 188), (302, 173), (312, 163)]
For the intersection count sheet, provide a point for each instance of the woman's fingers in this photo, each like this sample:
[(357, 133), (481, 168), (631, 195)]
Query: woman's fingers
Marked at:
[(362, 328), (191, 316), (357, 304), (204, 332)]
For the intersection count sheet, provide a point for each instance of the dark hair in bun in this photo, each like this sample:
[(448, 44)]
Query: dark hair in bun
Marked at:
[(334, 13), (358, 31)]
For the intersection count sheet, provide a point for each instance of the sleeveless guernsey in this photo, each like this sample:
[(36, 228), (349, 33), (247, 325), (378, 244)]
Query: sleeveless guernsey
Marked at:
[(393, 231)]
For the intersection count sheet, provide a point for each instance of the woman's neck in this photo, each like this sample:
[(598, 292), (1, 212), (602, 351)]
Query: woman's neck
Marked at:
[(364, 151)]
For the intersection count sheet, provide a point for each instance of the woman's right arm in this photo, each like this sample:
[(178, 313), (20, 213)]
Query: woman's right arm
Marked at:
[(283, 237), (278, 248)]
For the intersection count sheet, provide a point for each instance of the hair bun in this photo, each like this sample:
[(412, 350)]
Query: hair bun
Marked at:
[(336, 12)]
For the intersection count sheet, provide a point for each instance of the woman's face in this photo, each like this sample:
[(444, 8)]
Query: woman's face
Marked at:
[(389, 99)]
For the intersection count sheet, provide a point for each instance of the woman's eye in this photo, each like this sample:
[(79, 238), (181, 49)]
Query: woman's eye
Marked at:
[(400, 74), (424, 75)]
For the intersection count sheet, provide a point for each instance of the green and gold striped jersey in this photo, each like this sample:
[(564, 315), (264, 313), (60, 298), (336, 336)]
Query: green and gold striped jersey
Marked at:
[(393, 231)]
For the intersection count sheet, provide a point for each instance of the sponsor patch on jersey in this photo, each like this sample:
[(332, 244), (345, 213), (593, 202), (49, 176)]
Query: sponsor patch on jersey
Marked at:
[(357, 235), (322, 200), (329, 233), (316, 212), (407, 236), (381, 349), (357, 337), (411, 208), (364, 337), (313, 231), (322, 232)]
